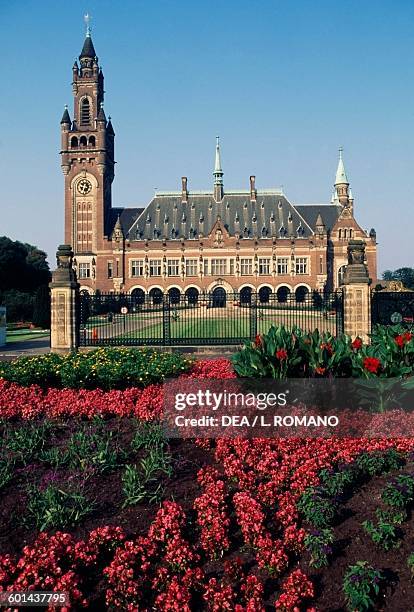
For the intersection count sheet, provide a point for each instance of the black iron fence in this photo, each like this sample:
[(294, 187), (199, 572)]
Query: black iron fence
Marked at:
[(392, 308), (201, 318)]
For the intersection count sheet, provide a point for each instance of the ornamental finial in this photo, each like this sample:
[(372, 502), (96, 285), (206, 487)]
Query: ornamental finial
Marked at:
[(87, 18)]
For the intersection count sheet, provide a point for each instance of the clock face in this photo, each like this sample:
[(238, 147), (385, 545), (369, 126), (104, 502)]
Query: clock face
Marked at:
[(84, 186)]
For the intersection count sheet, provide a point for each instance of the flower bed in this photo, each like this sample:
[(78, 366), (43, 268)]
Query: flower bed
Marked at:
[(230, 524)]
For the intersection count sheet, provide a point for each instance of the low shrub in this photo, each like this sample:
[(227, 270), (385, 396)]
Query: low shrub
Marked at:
[(400, 492), (385, 532), (54, 508), (317, 508), (319, 544), (103, 368), (361, 586)]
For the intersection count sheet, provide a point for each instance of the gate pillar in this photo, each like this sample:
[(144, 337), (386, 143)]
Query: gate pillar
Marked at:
[(357, 294), (64, 331)]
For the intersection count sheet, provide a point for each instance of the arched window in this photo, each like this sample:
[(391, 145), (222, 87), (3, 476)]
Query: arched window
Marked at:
[(156, 295), (350, 233), (340, 234), (82, 141), (85, 112), (138, 296), (341, 274), (192, 295), (345, 233), (283, 294), (245, 295), (74, 142), (301, 293), (92, 141), (264, 294), (218, 298), (174, 295)]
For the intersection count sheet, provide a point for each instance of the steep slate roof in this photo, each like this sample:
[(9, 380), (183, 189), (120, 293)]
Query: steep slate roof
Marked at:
[(329, 213), (271, 215), (88, 50), (127, 217)]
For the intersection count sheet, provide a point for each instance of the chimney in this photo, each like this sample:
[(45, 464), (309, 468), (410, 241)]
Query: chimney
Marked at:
[(253, 188), (184, 192)]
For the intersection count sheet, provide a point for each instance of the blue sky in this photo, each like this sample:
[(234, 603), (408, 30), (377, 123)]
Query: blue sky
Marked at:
[(284, 85)]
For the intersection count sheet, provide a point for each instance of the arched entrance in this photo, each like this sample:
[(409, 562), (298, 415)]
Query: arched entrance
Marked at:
[(264, 295), (138, 296), (174, 295), (245, 295), (218, 298), (156, 295), (192, 295), (283, 294), (301, 293)]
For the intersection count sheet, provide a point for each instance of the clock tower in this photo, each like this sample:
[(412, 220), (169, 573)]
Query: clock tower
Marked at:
[(87, 160)]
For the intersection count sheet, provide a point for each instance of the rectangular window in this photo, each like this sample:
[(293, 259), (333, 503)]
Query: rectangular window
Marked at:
[(282, 265), (137, 267), (191, 267), (155, 267), (264, 265), (84, 270), (231, 271), (320, 265), (246, 267), (301, 265), (110, 269), (206, 267), (218, 267), (173, 266)]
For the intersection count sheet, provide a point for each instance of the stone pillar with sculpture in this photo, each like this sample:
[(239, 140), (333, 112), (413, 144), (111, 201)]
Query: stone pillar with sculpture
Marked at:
[(64, 289), (357, 293)]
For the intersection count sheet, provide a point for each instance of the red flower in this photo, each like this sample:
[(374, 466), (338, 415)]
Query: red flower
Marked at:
[(281, 354), (320, 370), (399, 340), (327, 346), (258, 341), (372, 364), (357, 344), (402, 339)]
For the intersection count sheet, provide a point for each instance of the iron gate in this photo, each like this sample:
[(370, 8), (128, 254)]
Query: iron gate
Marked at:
[(392, 308), (216, 318)]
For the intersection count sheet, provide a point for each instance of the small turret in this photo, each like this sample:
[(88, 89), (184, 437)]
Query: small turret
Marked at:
[(341, 181), (320, 225), (218, 174), (66, 121)]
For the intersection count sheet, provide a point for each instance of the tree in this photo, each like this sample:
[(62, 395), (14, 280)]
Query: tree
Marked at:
[(41, 309), (23, 268), (405, 275)]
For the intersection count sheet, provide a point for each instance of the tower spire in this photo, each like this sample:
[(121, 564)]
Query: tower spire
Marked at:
[(341, 181), (218, 174)]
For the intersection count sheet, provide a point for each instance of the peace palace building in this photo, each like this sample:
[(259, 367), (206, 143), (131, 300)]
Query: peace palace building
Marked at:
[(188, 242)]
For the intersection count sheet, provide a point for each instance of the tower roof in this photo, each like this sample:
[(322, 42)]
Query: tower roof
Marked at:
[(101, 114), (65, 116), (109, 127), (88, 50), (218, 172), (341, 178)]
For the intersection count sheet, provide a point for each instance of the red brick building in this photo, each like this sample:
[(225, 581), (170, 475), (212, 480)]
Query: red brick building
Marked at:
[(187, 242)]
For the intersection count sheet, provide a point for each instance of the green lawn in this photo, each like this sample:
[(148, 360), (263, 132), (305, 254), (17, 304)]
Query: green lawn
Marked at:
[(19, 335)]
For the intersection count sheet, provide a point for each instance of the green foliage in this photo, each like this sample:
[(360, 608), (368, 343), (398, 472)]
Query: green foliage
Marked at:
[(53, 508), (41, 308), (385, 531), (400, 492), (376, 462), (55, 457), (319, 544), (94, 446), (405, 275), (104, 368), (6, 471), (26, 441), (316, 508), (410, 563), (145, 482), (147, 434), (321, 354), (361, 586), (336, 483)]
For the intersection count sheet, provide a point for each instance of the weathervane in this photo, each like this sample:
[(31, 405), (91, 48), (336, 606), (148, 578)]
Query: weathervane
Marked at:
[(87, 18)]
